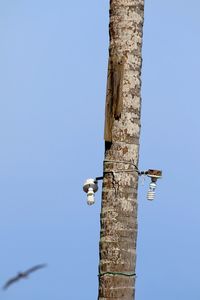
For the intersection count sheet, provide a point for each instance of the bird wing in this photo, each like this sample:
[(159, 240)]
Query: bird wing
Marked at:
[(22, 275), (11, 281), (35, 268)]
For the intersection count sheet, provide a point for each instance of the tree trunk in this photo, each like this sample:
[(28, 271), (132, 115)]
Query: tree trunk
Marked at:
[(122, 130)]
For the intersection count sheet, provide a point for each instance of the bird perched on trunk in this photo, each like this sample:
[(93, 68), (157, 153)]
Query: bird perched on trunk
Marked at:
[(23, 275)]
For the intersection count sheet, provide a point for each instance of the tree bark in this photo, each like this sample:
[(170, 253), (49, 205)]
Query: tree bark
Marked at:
[(122, 131)]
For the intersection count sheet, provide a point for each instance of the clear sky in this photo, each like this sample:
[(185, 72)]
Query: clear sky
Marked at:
[(53, 65)]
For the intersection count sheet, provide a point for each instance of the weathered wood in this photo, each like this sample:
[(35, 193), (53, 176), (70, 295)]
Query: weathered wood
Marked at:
[(114, 100), (122, 131)]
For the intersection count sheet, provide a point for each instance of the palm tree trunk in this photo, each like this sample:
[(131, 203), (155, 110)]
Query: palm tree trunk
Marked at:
[(122, 130)]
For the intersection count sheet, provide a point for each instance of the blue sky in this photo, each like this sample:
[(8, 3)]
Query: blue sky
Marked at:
[(53, 65)]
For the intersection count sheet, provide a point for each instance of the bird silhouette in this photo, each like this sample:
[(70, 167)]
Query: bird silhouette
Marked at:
[(22, 275)]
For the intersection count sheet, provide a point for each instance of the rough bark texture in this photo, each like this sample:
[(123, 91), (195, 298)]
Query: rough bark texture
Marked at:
[(122, 130)]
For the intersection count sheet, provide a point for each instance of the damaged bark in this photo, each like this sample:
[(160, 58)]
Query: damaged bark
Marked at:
[(122, 131), (114, 102)]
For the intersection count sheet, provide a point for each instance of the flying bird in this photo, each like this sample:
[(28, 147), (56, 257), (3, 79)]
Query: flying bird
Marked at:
[(23, 275)]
